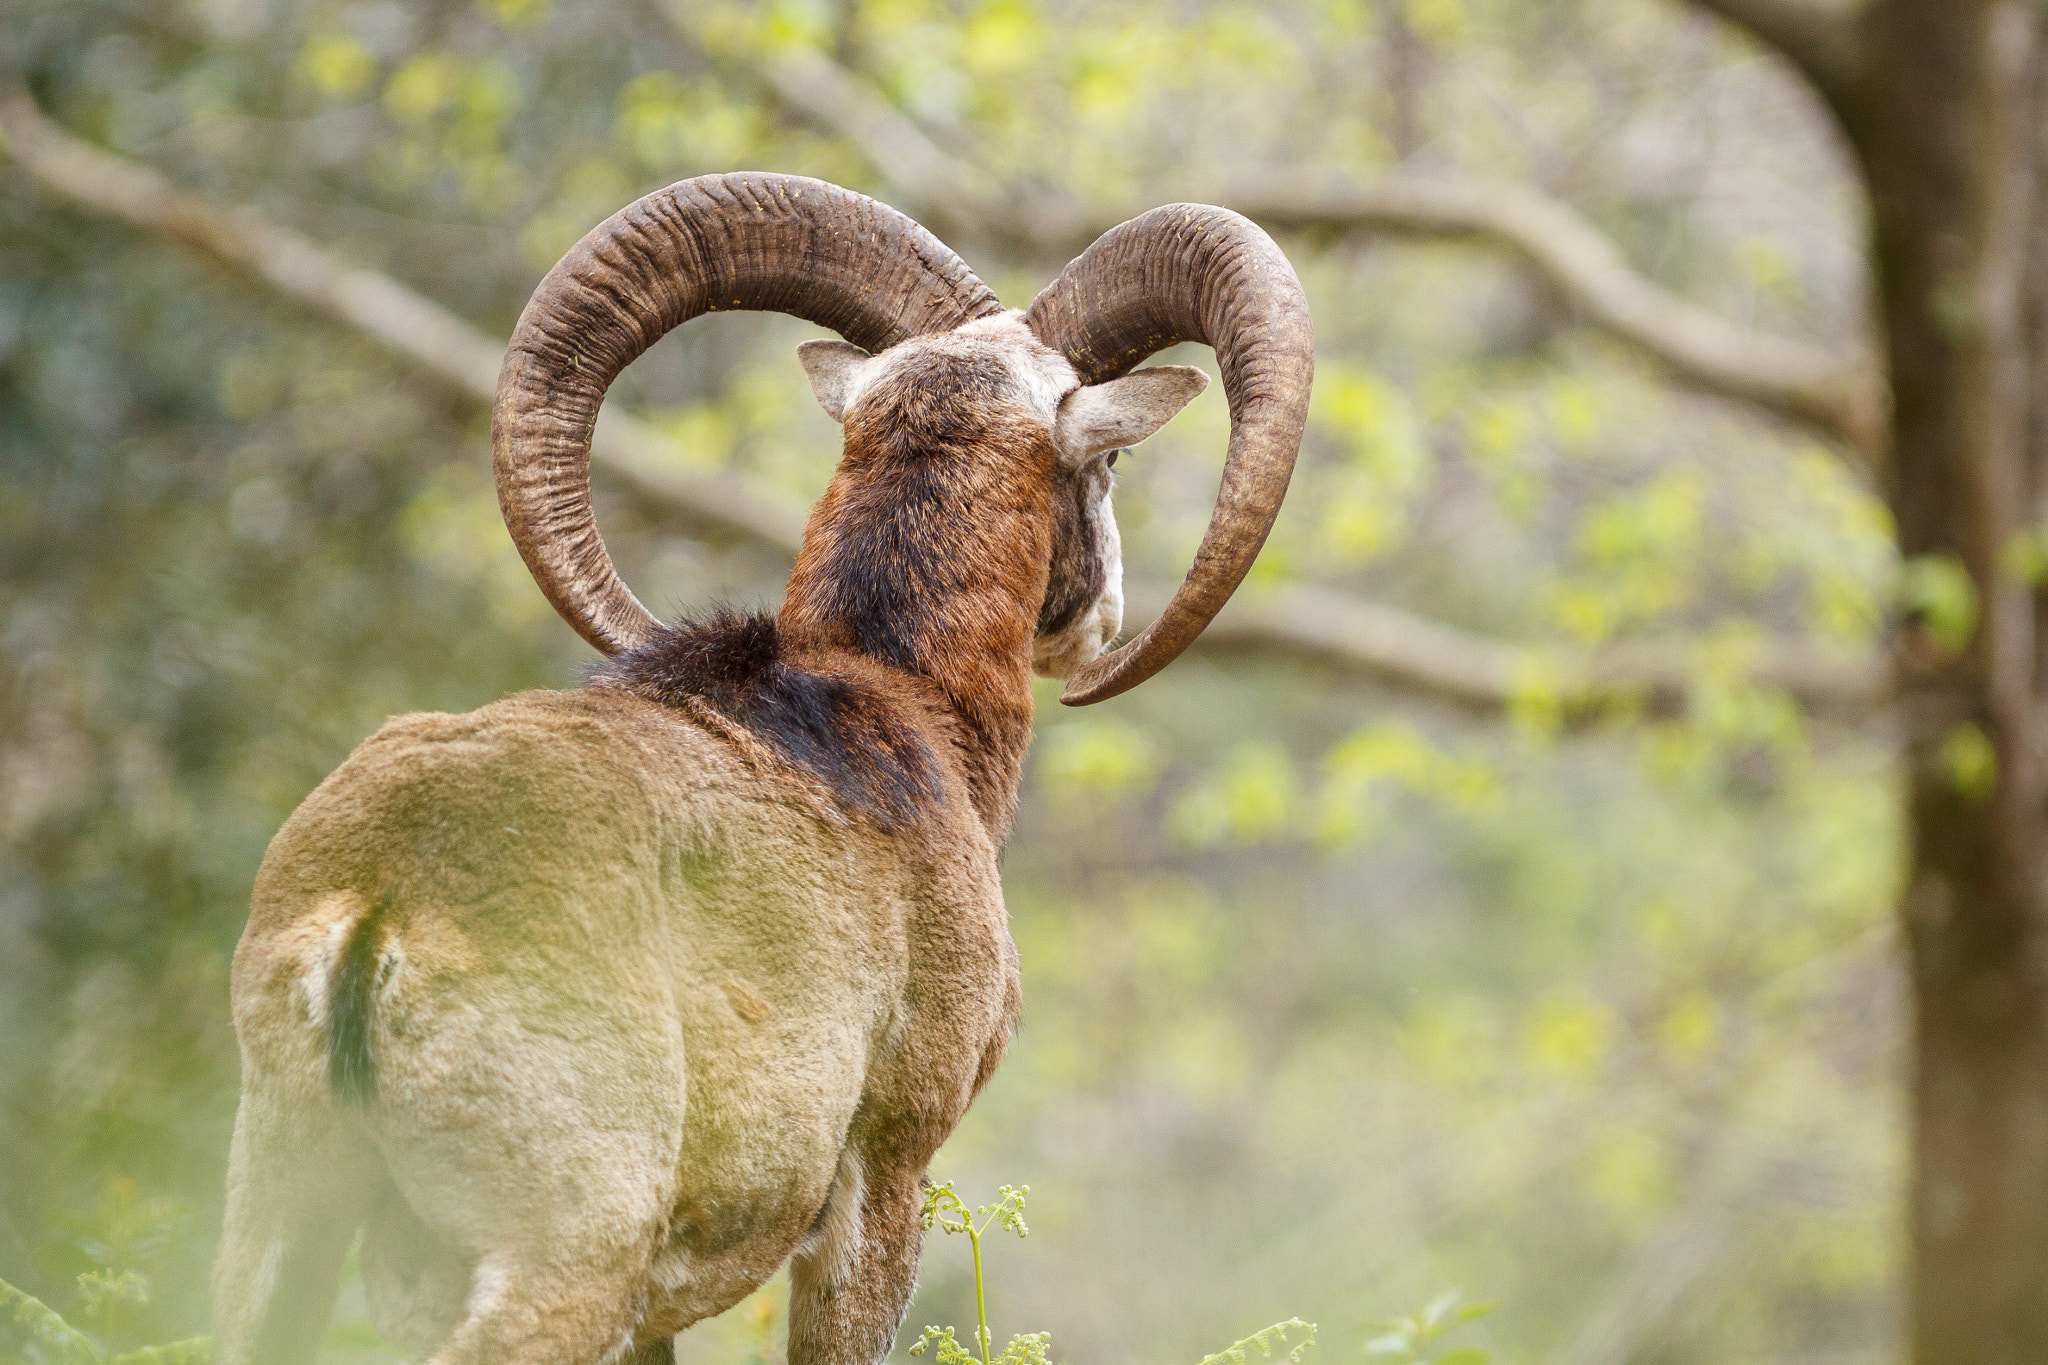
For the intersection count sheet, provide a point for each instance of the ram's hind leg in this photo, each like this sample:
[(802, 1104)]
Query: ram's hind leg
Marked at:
[(566, 1310), (851, 1284), (551, 1167), (298, 1178)]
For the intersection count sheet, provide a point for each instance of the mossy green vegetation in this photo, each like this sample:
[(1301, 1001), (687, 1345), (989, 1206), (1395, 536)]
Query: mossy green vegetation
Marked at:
[(947, 1212), (51, 1340)]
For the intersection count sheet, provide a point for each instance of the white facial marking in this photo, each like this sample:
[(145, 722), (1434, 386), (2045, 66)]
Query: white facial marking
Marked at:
[(1057, 655)]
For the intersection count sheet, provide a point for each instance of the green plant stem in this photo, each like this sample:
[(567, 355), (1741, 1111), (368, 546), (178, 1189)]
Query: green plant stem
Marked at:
[(980, 1298)]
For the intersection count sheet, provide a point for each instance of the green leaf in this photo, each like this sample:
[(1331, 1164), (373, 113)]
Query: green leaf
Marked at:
[(947, 1348), (1938, 591), (102, 1289), (1009, 1209), (943, 1209), (1439, 1308), (1464, 1355), (1029, 1349), (1968, 761)]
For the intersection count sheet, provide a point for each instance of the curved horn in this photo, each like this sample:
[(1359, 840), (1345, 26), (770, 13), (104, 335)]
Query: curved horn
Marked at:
[(1190, 272), (779, 243)]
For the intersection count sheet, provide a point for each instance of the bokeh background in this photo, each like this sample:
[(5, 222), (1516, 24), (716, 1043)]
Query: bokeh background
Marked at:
[(1501, 903)]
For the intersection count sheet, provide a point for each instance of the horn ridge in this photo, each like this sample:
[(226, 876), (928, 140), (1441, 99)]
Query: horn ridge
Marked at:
[(1193, 272), (718, 243)]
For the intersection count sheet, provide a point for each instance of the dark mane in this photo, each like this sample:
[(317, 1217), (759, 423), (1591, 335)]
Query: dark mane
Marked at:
[(844, 734)]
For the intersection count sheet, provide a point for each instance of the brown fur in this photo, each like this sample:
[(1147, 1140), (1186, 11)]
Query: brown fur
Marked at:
[(734, 673), (592, 1008), (589, 896), (931, 550)]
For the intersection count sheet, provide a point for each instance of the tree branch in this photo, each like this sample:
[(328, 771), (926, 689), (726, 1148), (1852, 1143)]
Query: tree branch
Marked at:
[(1310, 624), (1843, 395), (939, 188), (1818, 37), (366, 301), (1297, 622)]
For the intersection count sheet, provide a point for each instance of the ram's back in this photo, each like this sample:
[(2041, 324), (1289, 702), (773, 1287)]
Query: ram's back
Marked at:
[(573, 891)]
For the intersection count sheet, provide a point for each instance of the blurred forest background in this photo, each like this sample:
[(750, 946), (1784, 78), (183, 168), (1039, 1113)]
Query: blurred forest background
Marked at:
[(1502, 897)]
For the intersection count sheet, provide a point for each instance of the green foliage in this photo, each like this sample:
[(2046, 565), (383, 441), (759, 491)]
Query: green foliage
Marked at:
[(1640, 553), (1267, 1341), (125, 1229), (1418, 1339), (1098, 759), (1389, 461), (1252, 796), (1329, 994), (45, 1327), (195, 1351), (1029, 1349), (944, 1210), (1937, 591), (1968, 761)]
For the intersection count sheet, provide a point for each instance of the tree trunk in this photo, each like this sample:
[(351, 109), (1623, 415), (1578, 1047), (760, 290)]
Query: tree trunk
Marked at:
[(1945, 122)]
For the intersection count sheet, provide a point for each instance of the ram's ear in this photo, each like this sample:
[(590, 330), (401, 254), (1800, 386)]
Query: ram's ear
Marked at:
[(834, 368), (1123, 412)]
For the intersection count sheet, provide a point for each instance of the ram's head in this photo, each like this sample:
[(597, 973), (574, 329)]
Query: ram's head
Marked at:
[(926, 340)]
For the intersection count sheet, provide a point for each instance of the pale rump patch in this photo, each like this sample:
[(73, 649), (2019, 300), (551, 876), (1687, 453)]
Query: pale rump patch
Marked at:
[(316, 941)]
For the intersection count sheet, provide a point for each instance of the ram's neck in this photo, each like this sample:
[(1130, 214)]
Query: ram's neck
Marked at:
[(933, 561)]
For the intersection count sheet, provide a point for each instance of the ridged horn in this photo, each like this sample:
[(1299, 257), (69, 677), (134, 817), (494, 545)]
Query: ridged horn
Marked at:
[(1192, 272), (745, 240)]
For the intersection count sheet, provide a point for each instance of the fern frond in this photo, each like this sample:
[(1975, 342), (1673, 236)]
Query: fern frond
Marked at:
[(47, 1327), (1267, 1340)]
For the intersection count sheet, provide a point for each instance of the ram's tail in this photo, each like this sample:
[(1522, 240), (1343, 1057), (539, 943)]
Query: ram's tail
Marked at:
[(351, 997)]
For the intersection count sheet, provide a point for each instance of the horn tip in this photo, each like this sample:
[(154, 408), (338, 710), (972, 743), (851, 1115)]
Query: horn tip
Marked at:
[(1098, 681)]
